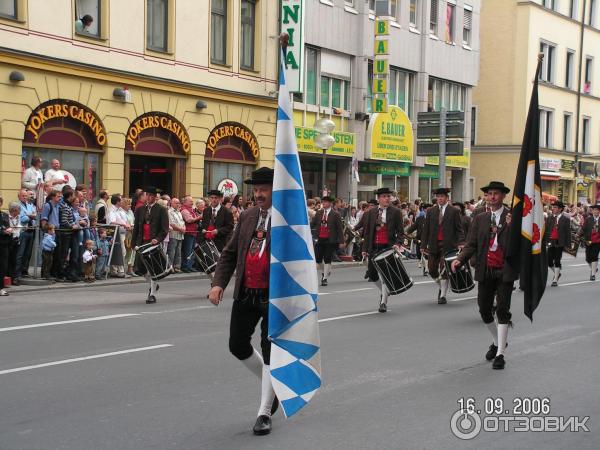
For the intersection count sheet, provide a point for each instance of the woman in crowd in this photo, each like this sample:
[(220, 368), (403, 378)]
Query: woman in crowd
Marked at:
[(130, 251), (5, 245)]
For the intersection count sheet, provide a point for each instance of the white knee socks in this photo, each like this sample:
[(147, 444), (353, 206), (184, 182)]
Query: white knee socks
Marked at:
[(494, 331), (502, 336), (254, 363), (594, 267), (153, 285), (326, 270), (384, 294), (267, 395), (444, 286)]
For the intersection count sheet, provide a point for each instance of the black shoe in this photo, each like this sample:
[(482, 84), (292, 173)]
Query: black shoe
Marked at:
[(262, 426), (274, 406), (442, 301), (366, 275), (499, 362), (491, 353), (16, 282), (554, 284), (151, 299), (593, 278), (324, 282), (382, 307), (425, 273)]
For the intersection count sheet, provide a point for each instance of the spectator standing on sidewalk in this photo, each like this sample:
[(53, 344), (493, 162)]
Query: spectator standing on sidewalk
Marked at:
[(48, 249), (191, 219), (69, 254), (27, 219), (101, 208), (5, 245), (55, 176), (102, 250), (89, 262), (130, 251), (177, 227), (33, 178), (14, 219), (118, 217)]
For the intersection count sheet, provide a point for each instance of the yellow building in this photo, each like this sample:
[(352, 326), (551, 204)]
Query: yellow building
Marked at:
[(179, 94), (513, 33)]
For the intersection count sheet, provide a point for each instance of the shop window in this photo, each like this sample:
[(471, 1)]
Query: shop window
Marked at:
[(215, 172), (157, 24), (218, 29), (467, 25), (450, 20), (248, 29), (88, 17)]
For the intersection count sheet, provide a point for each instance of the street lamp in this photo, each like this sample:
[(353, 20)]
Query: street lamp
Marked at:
[(324, 140)]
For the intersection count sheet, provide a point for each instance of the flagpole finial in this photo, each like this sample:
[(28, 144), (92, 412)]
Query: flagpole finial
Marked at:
[(540, 57), (284, 40)]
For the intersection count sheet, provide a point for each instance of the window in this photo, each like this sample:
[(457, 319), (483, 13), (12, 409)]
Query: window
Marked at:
[(473, 125), (336, 93), (550, 4), (88, 16), (311, 75), (248, 30), (445, 94), (399, 90), (157, 25), (587, 83), (347, 95), (413, 13), (369, 87), (450, 8), (567, 132), (349, 3), (8, 9), (546, 128), (547, 70), (586, 135), (433, 17), (592, 16), (218, 31), (573, 9), (467, 26), (569, 69), (394, 9), (325, 91), (372, 6)]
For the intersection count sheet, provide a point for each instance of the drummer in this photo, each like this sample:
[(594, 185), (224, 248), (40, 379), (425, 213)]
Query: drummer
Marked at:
[(151, 226), (327, 231), (487, 241), (217, 221), (557, 237), (382, 231), (442, 232), (590, 232)]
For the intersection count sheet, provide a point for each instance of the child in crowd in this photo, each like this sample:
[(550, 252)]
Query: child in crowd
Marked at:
[(89, 262), (102, 251), (48, 246), (84, 222)]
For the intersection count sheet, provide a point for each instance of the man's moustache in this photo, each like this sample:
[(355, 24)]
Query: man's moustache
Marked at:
[(260, 198)]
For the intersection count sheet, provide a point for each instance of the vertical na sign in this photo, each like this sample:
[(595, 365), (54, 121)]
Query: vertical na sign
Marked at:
[(292, 23), (381, 67)]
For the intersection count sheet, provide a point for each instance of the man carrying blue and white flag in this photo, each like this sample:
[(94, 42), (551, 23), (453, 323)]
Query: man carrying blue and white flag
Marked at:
[(271, 251)]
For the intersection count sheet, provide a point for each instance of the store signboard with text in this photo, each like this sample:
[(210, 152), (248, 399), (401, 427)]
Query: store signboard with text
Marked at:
[(345, 143), (390, 136)]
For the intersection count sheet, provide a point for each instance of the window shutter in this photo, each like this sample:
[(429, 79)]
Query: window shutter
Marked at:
[(468, 19)]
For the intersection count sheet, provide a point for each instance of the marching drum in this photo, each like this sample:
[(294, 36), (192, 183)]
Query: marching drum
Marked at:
[(575, 243), (392, 272), (155, 261), (207, 256), (462, 279)]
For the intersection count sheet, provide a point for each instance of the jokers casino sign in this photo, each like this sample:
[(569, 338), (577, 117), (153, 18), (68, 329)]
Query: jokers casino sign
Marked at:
[(159, 121)]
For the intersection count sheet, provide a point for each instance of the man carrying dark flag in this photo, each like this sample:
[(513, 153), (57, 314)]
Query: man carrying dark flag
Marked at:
[(525, 252)]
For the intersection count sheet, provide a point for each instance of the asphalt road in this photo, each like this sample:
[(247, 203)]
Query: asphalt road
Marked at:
[(96, 368)]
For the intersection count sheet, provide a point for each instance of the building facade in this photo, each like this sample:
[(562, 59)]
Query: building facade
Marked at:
[(513, 34), (433, 63), (178, 94)]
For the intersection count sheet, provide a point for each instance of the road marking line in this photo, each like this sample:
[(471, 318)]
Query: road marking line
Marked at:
[(424, 282), (578, 265), (63, 322), (577, 282), (347, 290), (462, 299), (348, 316), (85, 358), (191, 308)]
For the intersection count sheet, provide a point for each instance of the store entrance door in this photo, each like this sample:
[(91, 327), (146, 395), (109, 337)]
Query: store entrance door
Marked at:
[(151, 171)]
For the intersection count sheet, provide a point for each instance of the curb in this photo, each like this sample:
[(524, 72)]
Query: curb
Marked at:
[(135, 280)]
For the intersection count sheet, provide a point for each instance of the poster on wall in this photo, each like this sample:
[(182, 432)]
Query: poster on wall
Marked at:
[(228, 187)]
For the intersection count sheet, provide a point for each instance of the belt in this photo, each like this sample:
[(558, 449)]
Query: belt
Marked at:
[(255, 296), (493, 272)]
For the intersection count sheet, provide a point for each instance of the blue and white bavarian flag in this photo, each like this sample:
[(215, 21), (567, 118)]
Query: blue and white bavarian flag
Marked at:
[(293, 287)]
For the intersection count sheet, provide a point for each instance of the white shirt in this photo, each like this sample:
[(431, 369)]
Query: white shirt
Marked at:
[(117, 216), (52, 174), (383, 214), (31, 178), (215, 210), (495, 217), (87, 256), (442, 209), (267, 220)]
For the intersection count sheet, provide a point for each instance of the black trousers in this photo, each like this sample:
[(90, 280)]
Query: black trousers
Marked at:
[(47, 259), (554, 256), (69, 255), (371, 270), (493, 286), (4, 250), (435, 261), (324, 251), (247, 311), (591, 253), (57, 262)]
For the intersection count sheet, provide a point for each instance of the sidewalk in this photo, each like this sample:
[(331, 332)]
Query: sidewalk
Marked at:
[(132, 280)]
